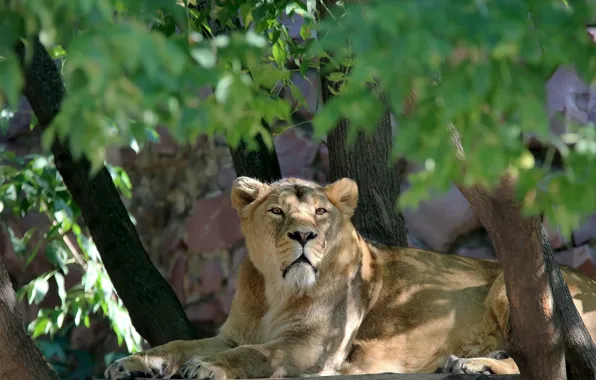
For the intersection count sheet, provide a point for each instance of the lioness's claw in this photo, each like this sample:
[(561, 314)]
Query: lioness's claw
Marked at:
[(456, 365), (196, 368), (132, 367)]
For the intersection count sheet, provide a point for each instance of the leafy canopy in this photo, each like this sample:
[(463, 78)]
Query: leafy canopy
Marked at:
[(476, 64)]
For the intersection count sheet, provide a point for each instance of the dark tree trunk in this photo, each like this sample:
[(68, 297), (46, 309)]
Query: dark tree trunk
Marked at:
[(535, 341), (20, 359), (153, 307), (261, 163), (580, 352), (367, 162)]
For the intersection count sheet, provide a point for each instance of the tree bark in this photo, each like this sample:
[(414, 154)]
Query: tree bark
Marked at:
[(154, 309), (261, 163), (20, 359), (580, 352), (535, 341), (367, 162)]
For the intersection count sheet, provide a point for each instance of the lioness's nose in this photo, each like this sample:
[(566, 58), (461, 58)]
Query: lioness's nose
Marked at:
[(302, 237)]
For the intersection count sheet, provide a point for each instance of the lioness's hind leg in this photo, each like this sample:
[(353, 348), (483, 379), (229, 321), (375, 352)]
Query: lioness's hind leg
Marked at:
[(486, 366)]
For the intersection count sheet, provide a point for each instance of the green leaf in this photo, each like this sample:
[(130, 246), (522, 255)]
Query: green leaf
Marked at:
[(11, 78), (40, 289), (61, 288), (90, 277), (78, 315), (57, 255), (60, 320), (39, 326), (279, 53), (204, 57)]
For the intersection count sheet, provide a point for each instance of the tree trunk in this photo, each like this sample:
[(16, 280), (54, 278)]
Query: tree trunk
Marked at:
[(261, 164), (367, 162), (535, 335), (580, 352), (20, 359), (154, 309)]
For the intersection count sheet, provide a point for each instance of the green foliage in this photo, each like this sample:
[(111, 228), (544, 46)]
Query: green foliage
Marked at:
[(480, 66), (129, 66), (32, 184), (126, 70)]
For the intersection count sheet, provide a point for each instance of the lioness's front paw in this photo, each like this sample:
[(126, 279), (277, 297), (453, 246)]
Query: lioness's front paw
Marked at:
[(196, 368), (456, 365), (134, 366)]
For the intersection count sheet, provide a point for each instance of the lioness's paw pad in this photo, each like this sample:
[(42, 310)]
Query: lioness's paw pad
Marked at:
[(456, 365), (129, 368), (196, 368)]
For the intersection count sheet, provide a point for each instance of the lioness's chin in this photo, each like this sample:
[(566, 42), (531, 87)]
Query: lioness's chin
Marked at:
[(300, 278)]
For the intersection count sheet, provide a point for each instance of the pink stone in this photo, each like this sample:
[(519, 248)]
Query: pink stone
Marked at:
[(213, 226), (442, 219), (479, 252), (225, 299), (586, 231), (166, 144), (202, 312), (555, 238), (176, 278), (324, 157), (211, 277), (226, 177), (294, 153), (238, 256), (574, 257)]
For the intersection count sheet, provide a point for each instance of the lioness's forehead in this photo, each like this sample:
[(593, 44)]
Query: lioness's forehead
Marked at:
[(302, 191)]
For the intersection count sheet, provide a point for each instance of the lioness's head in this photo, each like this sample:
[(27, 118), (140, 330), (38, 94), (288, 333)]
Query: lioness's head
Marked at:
[(291, 225)]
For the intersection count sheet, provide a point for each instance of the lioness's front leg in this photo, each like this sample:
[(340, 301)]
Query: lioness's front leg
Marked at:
[(279, 358), (480, 365), (164, 361)]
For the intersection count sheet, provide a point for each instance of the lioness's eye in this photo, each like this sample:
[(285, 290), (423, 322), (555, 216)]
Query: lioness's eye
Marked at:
[(320, 211), (276, 211)]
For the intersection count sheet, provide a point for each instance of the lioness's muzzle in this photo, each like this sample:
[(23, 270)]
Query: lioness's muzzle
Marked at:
[(301, 259)]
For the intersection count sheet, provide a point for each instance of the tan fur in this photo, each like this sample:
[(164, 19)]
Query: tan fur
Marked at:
[(368, 308)]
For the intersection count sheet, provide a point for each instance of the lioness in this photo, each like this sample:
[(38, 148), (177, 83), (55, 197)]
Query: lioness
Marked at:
[(314, 297)]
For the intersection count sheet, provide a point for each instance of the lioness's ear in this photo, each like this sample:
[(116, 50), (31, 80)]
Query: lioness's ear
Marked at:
[(343, 193), (246, 190)]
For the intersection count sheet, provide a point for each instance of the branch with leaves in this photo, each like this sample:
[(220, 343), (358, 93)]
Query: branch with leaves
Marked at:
[(138, 283)]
